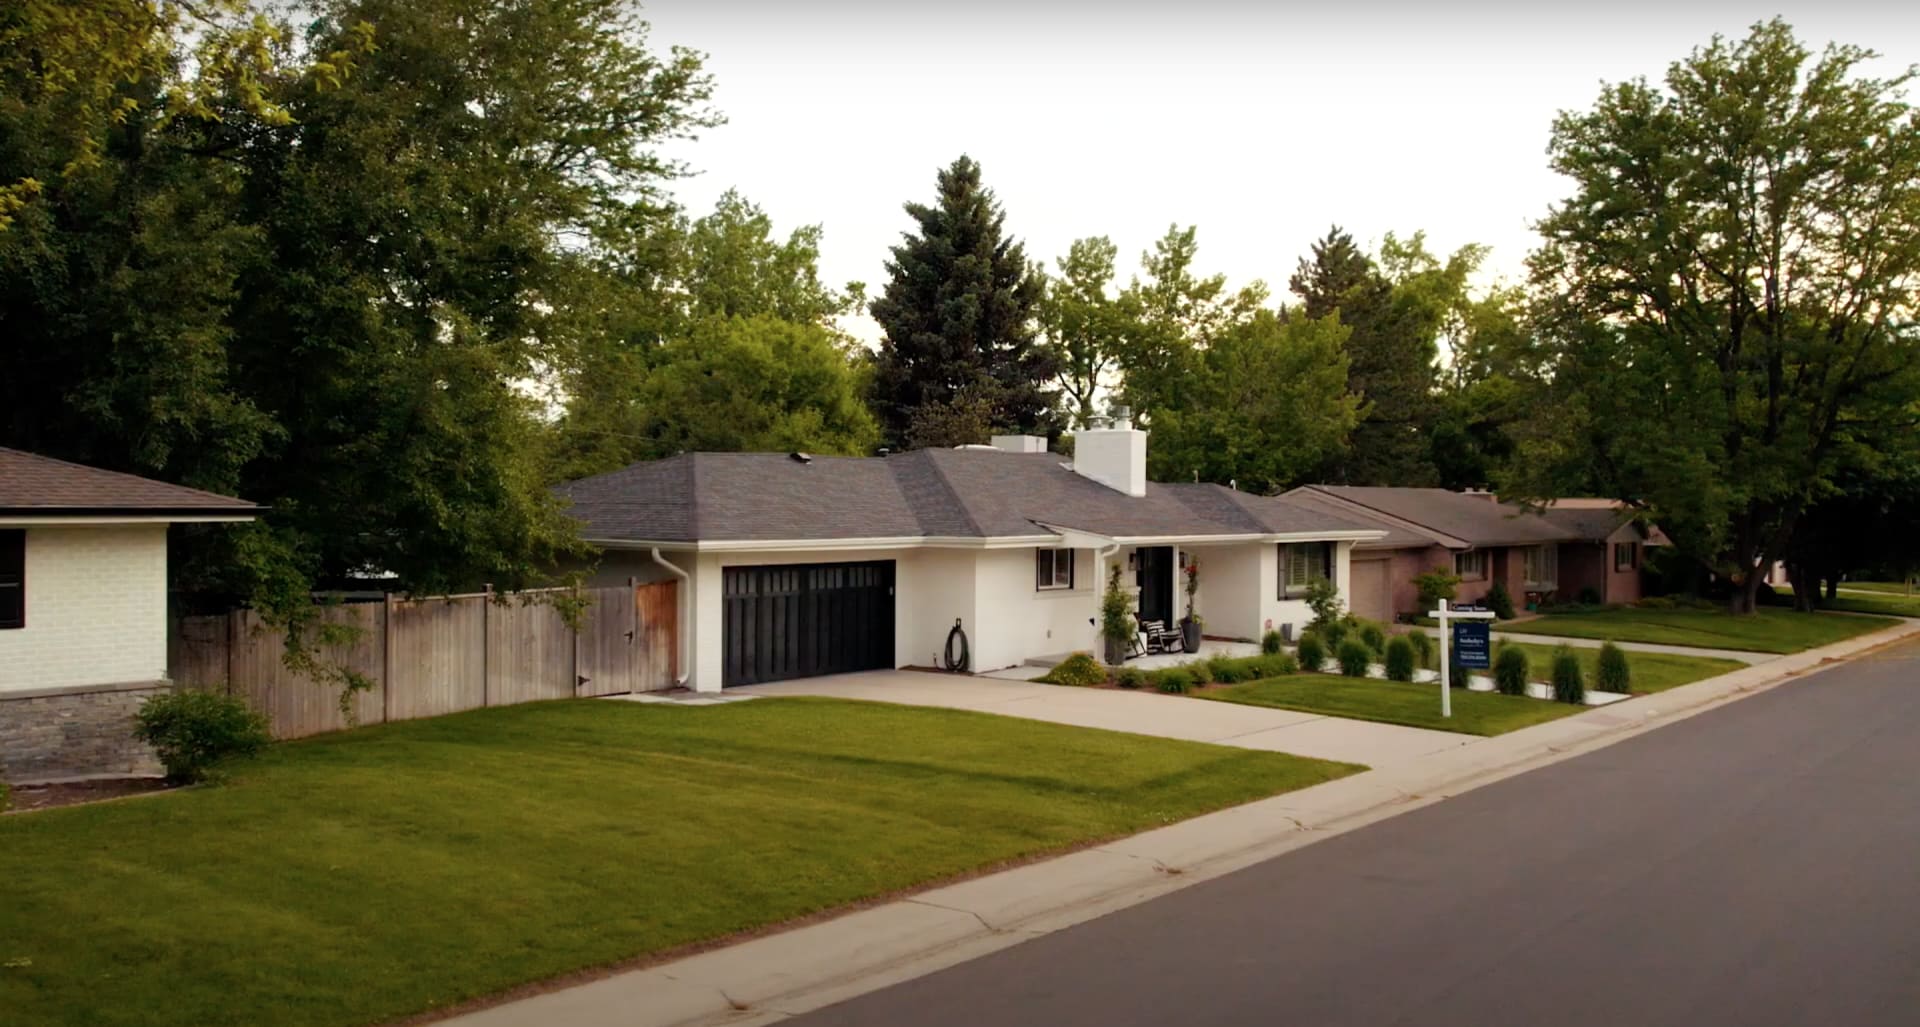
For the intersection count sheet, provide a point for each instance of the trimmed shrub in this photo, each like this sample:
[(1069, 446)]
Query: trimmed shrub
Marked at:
[(1373, 637), (1354, 658), (1423, 647), (195, 732), (1313, 653), (1323, 598), (1271, 643), (1569, 684), (1334, 632), (1656, 603), (1278, 665), (1129, 677), (1173, 680), (1229, 670), (1589, 596), (1079, 669), (6, 796), (1400, 659), (1200, 670), (1510, 670), (1500, 601), (1459, 676), (1611, 673), (1435, 585)]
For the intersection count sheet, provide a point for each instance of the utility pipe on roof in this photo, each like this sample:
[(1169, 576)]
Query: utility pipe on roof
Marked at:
[(682, 629)]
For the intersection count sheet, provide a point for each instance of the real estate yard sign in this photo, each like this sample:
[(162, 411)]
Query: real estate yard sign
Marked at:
[(1473, 645)]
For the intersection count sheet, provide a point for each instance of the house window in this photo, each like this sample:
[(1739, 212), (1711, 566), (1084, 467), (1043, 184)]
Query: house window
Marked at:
[(1626, 556), (1543, 565), (1471, 565), (13, 578), (1302, 564), (1053, 569)]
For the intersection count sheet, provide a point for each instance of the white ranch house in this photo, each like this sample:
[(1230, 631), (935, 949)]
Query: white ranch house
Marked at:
[(794, 565)]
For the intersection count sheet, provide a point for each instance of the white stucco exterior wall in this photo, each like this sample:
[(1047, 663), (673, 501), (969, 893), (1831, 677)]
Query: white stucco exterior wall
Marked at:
[(1276, 611), (1018, 621), (96, 600), (1230, 593)]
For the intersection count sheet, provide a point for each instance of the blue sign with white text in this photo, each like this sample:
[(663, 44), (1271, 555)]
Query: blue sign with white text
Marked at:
[(1473, 645)]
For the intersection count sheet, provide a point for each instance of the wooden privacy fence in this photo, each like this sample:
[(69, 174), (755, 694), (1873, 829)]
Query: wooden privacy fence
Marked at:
[(439, 655)]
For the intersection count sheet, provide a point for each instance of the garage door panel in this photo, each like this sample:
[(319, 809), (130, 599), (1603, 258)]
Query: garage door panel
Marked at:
[(1371, 592), (800, 620)]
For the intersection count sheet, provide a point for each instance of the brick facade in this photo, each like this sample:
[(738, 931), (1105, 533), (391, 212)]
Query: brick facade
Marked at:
[(48, 734)]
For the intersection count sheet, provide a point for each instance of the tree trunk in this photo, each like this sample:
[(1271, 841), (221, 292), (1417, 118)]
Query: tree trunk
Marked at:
[(1806, 587), (1833, 587)]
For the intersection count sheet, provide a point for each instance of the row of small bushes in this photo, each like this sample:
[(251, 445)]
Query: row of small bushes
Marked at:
[(1511, 672), (1082, 669)]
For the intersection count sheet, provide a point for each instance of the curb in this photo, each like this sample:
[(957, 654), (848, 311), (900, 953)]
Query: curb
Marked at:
[(771, 978)]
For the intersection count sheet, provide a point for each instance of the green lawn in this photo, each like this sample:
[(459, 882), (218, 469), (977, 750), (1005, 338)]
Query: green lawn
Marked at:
[(1652, 672), (1394, 702), (1892, 604), (360, 877), (1768, 630), (1899, 588)]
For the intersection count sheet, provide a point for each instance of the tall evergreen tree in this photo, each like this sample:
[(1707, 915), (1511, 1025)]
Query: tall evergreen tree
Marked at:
[(1391, 362), (958, 311)]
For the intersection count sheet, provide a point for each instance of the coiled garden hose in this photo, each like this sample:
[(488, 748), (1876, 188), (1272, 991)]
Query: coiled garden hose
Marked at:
[(960, 663)]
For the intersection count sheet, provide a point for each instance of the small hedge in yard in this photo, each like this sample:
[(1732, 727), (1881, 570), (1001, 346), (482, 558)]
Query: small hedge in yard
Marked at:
[(194, 732), (1333, 633), (1373, 637), (1459, 676), (1400, 659), (1611, 673), (1354, 658), (1569, 685), (1271, 643), (1229, 670), (1510, 670), (1129, 677), (1173, 680), (1200, 670), (1423, 647), (1278, 665), (1500, 601), (1313, 652), (1079, 669)]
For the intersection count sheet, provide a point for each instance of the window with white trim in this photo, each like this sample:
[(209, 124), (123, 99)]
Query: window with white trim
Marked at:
[(1543, 565), (1471, 565), (1626, 555), (1053, 569), (1302, 564), (13, 578)]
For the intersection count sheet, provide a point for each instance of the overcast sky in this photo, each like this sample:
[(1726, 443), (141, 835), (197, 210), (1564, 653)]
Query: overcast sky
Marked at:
[(1260, 123)]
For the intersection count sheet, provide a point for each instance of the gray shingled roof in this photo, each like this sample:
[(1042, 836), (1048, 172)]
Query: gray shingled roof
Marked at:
[(34, 484), (939, 493), (1397, 537), (1475, 518)]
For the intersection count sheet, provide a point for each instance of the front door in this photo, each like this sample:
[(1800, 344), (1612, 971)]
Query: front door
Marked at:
[(1154, 568)]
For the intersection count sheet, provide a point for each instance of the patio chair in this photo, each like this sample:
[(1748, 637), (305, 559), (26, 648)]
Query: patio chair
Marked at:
[(1159, 638)]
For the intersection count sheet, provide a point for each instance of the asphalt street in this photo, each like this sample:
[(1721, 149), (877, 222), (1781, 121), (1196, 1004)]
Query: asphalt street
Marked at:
[(1755, 865)]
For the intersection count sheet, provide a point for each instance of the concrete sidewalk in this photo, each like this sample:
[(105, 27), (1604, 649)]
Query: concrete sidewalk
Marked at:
[(768, 979), (1741, 655), (1141, 713)]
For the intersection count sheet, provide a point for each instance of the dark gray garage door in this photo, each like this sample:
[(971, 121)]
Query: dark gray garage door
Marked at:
[(800, 620)]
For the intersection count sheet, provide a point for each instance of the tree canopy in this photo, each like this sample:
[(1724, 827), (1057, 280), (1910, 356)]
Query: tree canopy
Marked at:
[(1730, 292), (958, 312)]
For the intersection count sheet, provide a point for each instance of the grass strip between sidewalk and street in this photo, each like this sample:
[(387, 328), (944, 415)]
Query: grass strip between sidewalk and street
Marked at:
[(369, 875), (1766, 630)]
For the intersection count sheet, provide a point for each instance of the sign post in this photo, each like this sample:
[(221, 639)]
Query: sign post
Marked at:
[(1471, 638)]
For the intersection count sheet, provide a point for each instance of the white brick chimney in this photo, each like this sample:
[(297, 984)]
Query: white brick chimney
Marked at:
[(1113, 456)]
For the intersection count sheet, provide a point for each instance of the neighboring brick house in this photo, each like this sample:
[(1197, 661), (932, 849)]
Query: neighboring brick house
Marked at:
[(1573, 547), (83, 610)]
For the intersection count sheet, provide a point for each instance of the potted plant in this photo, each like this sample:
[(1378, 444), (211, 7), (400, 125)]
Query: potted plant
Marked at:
[(1116, 618), (1191, 624)]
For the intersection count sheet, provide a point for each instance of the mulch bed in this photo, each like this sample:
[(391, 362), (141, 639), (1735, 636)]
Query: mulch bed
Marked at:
[(72, 793)]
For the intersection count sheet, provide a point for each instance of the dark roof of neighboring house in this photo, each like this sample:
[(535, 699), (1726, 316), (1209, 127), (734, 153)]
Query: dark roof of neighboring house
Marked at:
[(1399, 536), (1475, 518), (927, 493), (43, 486)]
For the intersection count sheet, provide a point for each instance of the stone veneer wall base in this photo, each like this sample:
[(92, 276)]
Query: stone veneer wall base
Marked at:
[(59, 734)]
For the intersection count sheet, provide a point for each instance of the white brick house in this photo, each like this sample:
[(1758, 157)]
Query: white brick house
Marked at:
[(83, 610)]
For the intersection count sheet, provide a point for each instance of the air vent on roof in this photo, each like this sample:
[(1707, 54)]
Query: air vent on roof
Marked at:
[(800, 458)]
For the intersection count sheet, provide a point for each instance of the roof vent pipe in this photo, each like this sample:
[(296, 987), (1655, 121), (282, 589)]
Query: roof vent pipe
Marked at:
[(1122, 416)]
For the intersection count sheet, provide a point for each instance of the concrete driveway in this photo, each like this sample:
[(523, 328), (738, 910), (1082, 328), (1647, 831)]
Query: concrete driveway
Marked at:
[(1143, 713)]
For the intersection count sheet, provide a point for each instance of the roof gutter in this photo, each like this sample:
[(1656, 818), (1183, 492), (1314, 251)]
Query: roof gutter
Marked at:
[(680, 631)]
